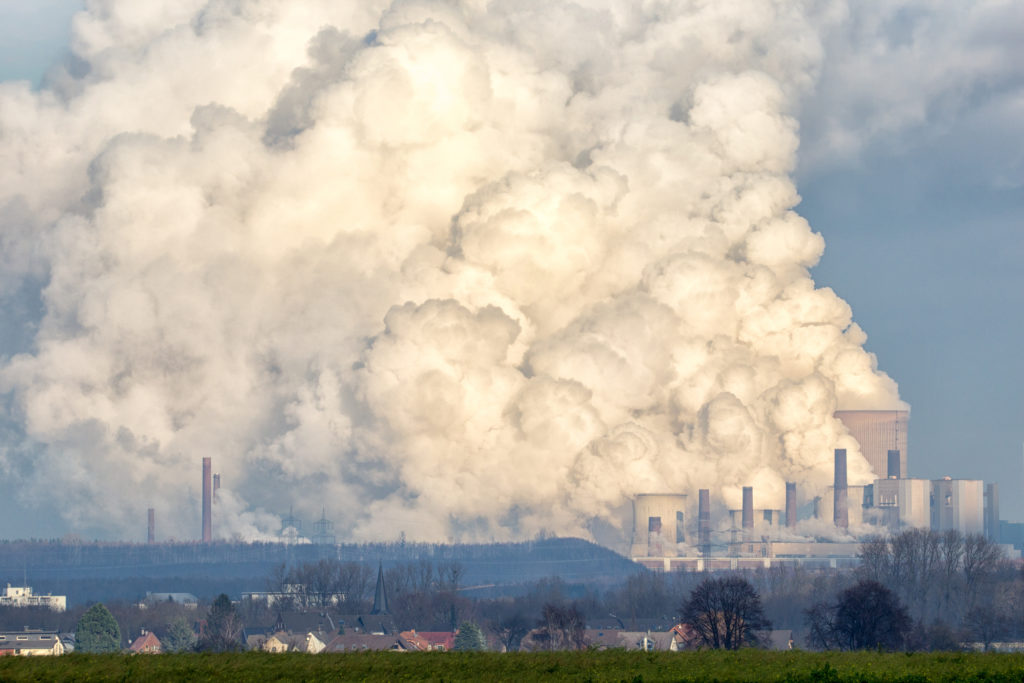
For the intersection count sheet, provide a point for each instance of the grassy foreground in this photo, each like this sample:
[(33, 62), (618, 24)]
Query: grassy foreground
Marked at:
[(748, 665)]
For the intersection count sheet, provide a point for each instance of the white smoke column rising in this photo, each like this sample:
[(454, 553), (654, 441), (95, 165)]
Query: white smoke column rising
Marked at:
[(464, 270)]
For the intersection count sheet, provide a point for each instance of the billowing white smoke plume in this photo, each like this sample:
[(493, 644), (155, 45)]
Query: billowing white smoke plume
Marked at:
[(464, 270)]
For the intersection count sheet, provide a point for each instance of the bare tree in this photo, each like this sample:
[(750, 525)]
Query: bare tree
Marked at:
[(951, 551), (875, 560), (915, 559), (867, 615), (725, 613), (981, 560), (510, 631), (561, 627)]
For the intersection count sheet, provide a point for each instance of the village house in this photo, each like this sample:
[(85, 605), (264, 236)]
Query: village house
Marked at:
[(146, 644), (30, 643)]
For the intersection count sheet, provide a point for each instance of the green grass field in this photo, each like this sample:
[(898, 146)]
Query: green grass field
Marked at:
[(748, 665)]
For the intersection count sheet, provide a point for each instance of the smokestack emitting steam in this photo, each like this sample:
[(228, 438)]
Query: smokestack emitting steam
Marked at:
[(893, 470), (840, 511), (748, 509), (390, 253), (790, 504), (207, 502), (704, 521), (151, 536)]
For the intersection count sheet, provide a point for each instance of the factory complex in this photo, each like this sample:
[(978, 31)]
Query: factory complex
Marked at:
[(817, 528)]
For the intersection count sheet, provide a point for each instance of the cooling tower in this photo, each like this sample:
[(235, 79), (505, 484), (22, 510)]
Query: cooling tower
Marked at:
[(877, 432), (704, 521), (840, 510), (790, 504), (658, 524), (207, 501)]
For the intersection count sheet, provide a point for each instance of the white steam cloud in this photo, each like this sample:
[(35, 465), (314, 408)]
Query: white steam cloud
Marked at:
[(465, 270)]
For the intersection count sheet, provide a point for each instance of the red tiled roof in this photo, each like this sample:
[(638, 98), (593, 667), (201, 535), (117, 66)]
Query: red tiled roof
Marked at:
[(146, 643), (444, 638)]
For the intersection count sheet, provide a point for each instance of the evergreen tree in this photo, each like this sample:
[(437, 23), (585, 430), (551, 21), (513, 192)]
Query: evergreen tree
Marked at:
[(97, 631), (180, 637), (470, 637), (223, 627)]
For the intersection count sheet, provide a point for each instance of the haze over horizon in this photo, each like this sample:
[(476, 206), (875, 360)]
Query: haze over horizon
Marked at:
[(395, 257)]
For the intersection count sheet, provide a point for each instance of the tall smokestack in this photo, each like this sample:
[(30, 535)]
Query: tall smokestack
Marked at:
[(790, 504), (207, 501), (748, 509), (893, 470), (216, 485), (704, 521), (151, 536), (840, 510)]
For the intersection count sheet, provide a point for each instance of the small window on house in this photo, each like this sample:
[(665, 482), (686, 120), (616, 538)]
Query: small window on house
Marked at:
[(22, 637)]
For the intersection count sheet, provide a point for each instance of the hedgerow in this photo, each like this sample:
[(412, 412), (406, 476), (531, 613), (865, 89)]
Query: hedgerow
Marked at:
[(611, 666)]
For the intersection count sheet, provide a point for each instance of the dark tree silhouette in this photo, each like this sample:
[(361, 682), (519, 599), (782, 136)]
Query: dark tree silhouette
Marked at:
[(725, 613), (223, 629), (867, 615), (561, 628), (511, 630)]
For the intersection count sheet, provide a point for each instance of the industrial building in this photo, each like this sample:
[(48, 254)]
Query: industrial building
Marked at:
[(761, 537), (958, 504), (21, 596), (903, 503)]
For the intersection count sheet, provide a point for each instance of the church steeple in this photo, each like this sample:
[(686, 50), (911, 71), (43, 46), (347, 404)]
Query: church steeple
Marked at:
[(380, 596)]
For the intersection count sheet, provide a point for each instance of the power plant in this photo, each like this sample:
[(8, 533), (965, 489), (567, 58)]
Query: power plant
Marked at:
[(833, 520)]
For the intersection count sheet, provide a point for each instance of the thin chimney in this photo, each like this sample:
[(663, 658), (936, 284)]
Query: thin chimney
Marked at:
[(151, 537), (207, 501), (704, 521), (840, 509), (748, 508), (216, 486), (790, 504)]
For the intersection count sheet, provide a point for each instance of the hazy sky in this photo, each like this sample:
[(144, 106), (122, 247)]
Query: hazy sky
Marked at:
[(912, 169)]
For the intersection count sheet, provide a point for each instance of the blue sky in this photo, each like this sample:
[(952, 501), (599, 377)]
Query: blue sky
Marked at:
[(923, 222)]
